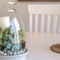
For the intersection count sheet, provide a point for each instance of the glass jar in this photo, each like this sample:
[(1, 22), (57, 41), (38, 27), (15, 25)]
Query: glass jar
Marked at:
[(12, 34)]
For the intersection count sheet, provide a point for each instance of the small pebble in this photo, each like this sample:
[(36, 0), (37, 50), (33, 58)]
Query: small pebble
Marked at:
[(9, 53), (15, 53), (2, 53), (22, 51), (18, 52), (5, 54)]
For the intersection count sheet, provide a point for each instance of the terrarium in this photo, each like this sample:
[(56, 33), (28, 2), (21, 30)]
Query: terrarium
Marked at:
[(12, 39)]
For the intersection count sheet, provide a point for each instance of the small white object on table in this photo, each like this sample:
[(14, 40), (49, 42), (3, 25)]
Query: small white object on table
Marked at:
[(39, 44)]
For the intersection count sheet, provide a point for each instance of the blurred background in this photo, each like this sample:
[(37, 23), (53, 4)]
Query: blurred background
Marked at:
[(21, 11)]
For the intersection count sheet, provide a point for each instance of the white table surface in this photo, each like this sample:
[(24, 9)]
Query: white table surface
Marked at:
[(39, 44)]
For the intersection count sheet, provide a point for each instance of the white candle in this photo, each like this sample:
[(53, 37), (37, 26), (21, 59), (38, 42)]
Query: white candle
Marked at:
[(4, 22)]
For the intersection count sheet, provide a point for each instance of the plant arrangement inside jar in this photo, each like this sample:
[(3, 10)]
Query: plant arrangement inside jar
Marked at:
[(12, 38)]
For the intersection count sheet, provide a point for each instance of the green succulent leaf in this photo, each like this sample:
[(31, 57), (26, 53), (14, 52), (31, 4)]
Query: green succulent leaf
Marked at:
[(22, 34), (1, 29), (1, 33), (6, 36)]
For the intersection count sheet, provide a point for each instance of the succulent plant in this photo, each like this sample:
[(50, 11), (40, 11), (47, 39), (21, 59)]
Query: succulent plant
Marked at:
[(22, 34), (7, 39), (22, 38), (12, 38)]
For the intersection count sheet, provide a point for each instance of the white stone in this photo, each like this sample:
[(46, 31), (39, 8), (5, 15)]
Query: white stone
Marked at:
[(22, 51), (15, 53), (9, 53), (5, 54), (2, 53), (18, 52)]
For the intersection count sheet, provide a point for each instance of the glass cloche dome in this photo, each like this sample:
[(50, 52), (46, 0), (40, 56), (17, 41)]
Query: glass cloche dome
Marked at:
[(12, 36)]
